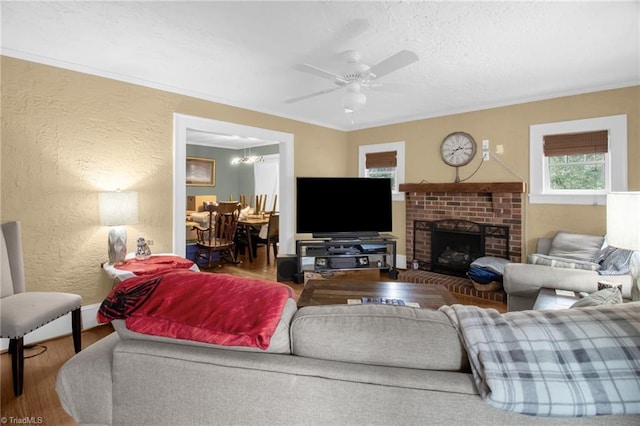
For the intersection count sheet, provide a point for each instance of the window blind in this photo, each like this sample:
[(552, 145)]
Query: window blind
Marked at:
[(376, 160), (576, 143)]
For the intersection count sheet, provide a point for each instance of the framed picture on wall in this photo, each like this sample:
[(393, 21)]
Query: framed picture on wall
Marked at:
[(201, 171)]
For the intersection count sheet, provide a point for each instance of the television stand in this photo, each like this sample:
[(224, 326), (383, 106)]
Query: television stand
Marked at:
[(343, 254)]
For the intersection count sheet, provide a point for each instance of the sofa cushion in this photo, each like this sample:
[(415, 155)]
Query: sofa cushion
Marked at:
[(279, 341), (606, 296), (394, 336), (560, 262), (569, 362), (575, 246)]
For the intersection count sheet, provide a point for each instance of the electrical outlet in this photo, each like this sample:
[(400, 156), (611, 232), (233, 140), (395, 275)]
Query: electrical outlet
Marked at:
[(485, 144), (150, 242), (485, 156)]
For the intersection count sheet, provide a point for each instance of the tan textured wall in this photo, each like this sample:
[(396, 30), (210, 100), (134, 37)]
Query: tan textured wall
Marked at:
[(508, 126), (66, 136)]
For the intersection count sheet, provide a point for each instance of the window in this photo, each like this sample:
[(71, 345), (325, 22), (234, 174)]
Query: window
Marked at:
[(583, 172), (578, 162), (266, 175), (382, 165), (384, 160)]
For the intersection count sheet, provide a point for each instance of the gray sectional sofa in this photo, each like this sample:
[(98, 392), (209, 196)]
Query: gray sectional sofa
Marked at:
[(568, 261), (326, 365)]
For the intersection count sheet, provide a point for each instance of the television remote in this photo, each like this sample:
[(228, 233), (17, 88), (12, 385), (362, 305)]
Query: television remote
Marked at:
[(383, 301)]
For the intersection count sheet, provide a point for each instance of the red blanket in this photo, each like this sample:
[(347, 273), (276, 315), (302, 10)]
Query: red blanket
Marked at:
[(155, 264), (212, 308)]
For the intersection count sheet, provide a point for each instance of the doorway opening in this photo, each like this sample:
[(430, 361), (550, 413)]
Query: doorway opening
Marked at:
[(181, 124)]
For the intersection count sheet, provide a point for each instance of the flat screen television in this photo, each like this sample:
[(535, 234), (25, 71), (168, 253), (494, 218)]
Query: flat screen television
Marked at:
[(343, 207)]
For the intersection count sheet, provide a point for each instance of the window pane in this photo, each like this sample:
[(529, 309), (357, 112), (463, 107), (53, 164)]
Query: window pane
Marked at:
[(561, 159), (577, 173), (594, 157), (384, 172), (575, 158)]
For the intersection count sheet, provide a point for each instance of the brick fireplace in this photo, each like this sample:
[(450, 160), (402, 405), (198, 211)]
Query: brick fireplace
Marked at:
[(499, 204)]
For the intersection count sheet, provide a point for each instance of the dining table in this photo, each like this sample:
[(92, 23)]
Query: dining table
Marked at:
[(249, 223)]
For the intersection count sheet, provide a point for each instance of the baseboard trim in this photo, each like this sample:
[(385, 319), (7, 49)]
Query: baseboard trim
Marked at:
[(401, 261), (59, 327)]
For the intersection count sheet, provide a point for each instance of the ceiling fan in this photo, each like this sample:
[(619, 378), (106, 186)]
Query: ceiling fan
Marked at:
[(356, 76)]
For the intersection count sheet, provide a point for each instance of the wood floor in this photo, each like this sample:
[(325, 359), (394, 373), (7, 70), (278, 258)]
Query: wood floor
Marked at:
[(40, 404), (39, 399)]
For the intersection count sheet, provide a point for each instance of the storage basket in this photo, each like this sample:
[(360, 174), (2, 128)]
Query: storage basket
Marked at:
[(490, 286)]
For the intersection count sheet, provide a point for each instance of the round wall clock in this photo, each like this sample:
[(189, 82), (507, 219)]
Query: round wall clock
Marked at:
[(458, 149)]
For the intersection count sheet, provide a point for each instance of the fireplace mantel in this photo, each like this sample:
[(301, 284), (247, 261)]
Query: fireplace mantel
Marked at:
[(478, 187)]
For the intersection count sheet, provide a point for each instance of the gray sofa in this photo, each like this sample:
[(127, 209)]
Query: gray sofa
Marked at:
[(522, 281), (334, 364)]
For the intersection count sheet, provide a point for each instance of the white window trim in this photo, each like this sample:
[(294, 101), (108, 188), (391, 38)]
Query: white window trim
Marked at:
[(398, 147), (617, 159)]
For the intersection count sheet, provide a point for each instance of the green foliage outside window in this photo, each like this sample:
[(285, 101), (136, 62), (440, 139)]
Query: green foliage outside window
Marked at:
[(584, 171), (384, 172)]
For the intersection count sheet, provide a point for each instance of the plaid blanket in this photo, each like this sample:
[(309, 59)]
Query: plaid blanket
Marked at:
[(573, 362)]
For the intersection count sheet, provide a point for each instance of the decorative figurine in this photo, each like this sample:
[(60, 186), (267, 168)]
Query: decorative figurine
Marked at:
[(142, 252)]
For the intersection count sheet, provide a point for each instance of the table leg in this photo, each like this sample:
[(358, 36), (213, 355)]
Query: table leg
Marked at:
[(249, 242)]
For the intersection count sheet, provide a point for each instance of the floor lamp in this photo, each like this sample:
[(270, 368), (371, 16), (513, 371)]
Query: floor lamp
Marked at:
[(623, 228), (118, 209)]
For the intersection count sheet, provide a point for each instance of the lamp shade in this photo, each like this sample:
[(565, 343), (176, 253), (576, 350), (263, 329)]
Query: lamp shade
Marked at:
[(623, 220), (118, 208)]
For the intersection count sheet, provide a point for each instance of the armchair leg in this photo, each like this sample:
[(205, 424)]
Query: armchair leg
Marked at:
[(17, 364), (76, 327)]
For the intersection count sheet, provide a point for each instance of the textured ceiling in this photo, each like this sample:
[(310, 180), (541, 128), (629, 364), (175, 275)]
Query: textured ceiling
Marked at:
[(473, 55)]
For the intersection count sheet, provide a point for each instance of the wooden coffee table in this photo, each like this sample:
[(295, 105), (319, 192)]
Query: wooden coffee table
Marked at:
[(337, 292)]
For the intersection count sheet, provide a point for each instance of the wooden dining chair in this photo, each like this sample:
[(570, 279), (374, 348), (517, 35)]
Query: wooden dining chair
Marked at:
[(219, 236), (273, 236)]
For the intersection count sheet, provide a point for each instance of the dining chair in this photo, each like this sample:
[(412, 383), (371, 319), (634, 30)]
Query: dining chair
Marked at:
[(21, 311), (273, 234), (219, 236)]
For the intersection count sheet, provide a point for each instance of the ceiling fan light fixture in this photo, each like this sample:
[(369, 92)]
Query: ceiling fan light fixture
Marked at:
[(353, 101)]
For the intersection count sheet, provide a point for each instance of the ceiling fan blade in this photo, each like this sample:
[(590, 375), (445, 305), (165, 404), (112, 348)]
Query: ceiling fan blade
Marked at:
[(311, 95), (393, 63), (310, 69)]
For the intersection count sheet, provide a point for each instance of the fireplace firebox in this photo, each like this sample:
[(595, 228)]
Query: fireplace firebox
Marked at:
[(449, 246)]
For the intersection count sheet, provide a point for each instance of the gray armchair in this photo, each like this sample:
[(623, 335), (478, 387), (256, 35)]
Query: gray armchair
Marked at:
[(523, 281), (21, 312)]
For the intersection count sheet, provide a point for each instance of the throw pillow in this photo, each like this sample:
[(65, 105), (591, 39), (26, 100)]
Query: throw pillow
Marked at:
[(614, 261), (608, 284), (607, 296), (575, 246), (542, 259)]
